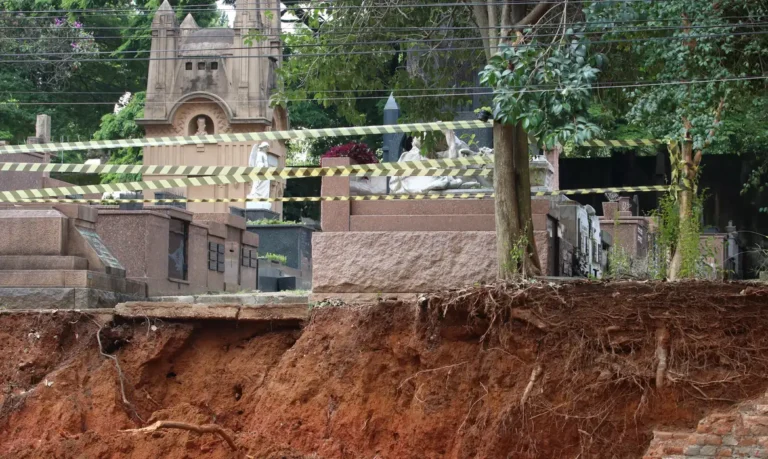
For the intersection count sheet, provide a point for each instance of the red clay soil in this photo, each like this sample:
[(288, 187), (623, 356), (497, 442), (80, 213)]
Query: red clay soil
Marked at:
[(538, 371)]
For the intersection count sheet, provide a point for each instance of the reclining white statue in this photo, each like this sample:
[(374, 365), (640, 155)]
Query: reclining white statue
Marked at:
[(456, 148)]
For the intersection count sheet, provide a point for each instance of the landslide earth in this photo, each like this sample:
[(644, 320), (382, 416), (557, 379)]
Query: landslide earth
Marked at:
[(535, 370)]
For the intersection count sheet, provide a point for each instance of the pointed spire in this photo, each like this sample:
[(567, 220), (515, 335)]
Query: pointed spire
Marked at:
[(164, 16), (189, 22), (165, 6), (391, 103)]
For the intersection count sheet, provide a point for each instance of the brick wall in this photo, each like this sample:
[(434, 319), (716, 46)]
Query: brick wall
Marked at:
[(741, 433)]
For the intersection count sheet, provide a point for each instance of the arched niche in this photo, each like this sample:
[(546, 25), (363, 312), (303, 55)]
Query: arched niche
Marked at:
[(201, 122)]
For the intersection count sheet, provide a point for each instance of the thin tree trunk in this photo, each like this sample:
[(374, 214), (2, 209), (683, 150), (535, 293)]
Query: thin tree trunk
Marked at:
[(506, 204), (685, 205), (515, 244), (532, 265)]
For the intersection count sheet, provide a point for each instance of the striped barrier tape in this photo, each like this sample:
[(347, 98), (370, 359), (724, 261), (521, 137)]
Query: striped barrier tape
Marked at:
[(380, 197), (16, 195), (380, 169), (301, 134), (622, 143)]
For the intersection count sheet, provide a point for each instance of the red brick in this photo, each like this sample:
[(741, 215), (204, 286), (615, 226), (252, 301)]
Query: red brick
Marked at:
[(747, 441), (755, 421), (709, 440), (673, 450), (724, 452), (704, 427), (660, 435), (722, 426)]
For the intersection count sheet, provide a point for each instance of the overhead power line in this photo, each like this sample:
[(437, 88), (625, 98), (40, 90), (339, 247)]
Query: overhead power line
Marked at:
[(401, 38), (379, 51), (607, 85), (205, 8), (572, 24)]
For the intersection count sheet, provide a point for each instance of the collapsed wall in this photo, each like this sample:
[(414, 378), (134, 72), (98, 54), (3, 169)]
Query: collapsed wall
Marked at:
[(531, 371)]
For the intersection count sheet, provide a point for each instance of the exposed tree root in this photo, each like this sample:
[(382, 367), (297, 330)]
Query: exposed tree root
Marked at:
[(662, 352), (201, 429), (120, 376), (612, 342), (528, 316), (534, 376)]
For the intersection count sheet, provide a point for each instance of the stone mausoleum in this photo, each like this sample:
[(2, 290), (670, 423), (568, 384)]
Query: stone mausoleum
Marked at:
[(214, 81), (201, 81)]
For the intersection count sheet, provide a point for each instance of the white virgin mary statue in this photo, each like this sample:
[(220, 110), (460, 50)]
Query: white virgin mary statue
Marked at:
[(260, 188)]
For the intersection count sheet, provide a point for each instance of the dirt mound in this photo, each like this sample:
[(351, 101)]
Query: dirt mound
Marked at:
[(533, 371)]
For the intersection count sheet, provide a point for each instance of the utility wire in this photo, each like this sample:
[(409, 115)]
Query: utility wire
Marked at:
[(603, 85), (379, 51), (403, 39), (213, 8), (527, 88), (576, 23)]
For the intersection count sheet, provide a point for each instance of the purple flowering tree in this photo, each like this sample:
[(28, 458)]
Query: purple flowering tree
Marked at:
[(357, 152), (50, 54)]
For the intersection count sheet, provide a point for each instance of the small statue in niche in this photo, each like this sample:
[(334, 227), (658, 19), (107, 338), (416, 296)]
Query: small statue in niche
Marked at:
[(201, 126)]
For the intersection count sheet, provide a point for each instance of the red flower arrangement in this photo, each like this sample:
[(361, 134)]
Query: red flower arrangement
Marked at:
[(358, 152)]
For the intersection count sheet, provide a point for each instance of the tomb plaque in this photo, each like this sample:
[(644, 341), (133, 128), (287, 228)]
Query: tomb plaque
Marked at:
[(93, 240)]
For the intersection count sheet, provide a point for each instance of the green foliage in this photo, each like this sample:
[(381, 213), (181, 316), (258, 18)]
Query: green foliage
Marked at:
[(670, 233), (272, 221), (553, 116), (517, 254), (715, 47), (620, 264), (122, 125), (355, 72), (70, 87), (282, 259)]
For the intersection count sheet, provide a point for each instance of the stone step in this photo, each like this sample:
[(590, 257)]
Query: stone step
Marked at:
[(71, 278), (261, 313), (42, 262), (245, 299)]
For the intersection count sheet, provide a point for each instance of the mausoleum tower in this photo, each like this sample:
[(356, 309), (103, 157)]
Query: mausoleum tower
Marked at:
[(214, 81)]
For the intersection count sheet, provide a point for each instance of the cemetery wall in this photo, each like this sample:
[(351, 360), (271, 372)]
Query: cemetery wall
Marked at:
[(414, 246)]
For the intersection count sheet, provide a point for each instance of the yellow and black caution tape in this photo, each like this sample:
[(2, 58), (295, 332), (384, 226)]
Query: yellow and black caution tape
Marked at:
[(17, 195), (622, 143), (300, 134), (380, 197), (358, 170)]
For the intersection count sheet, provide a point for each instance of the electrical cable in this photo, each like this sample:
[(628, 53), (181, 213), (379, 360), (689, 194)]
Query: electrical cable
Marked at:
[(402, 39), (594, 86), (386, 51), (575, 23), (415, 29), (214, 8)]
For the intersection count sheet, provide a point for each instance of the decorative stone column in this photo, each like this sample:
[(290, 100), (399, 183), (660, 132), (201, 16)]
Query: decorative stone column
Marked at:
[(553, 156), (542, 174)]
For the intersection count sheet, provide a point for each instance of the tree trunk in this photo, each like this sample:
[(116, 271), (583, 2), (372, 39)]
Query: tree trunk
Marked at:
[(685, 209), (532, 266), (515, 246)]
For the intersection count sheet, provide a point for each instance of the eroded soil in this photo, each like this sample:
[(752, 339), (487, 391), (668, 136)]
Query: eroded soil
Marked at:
[(537, 371)]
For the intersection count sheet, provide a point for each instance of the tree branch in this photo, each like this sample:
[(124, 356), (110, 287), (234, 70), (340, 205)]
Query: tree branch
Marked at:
[(536, 13), (481, 19)]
